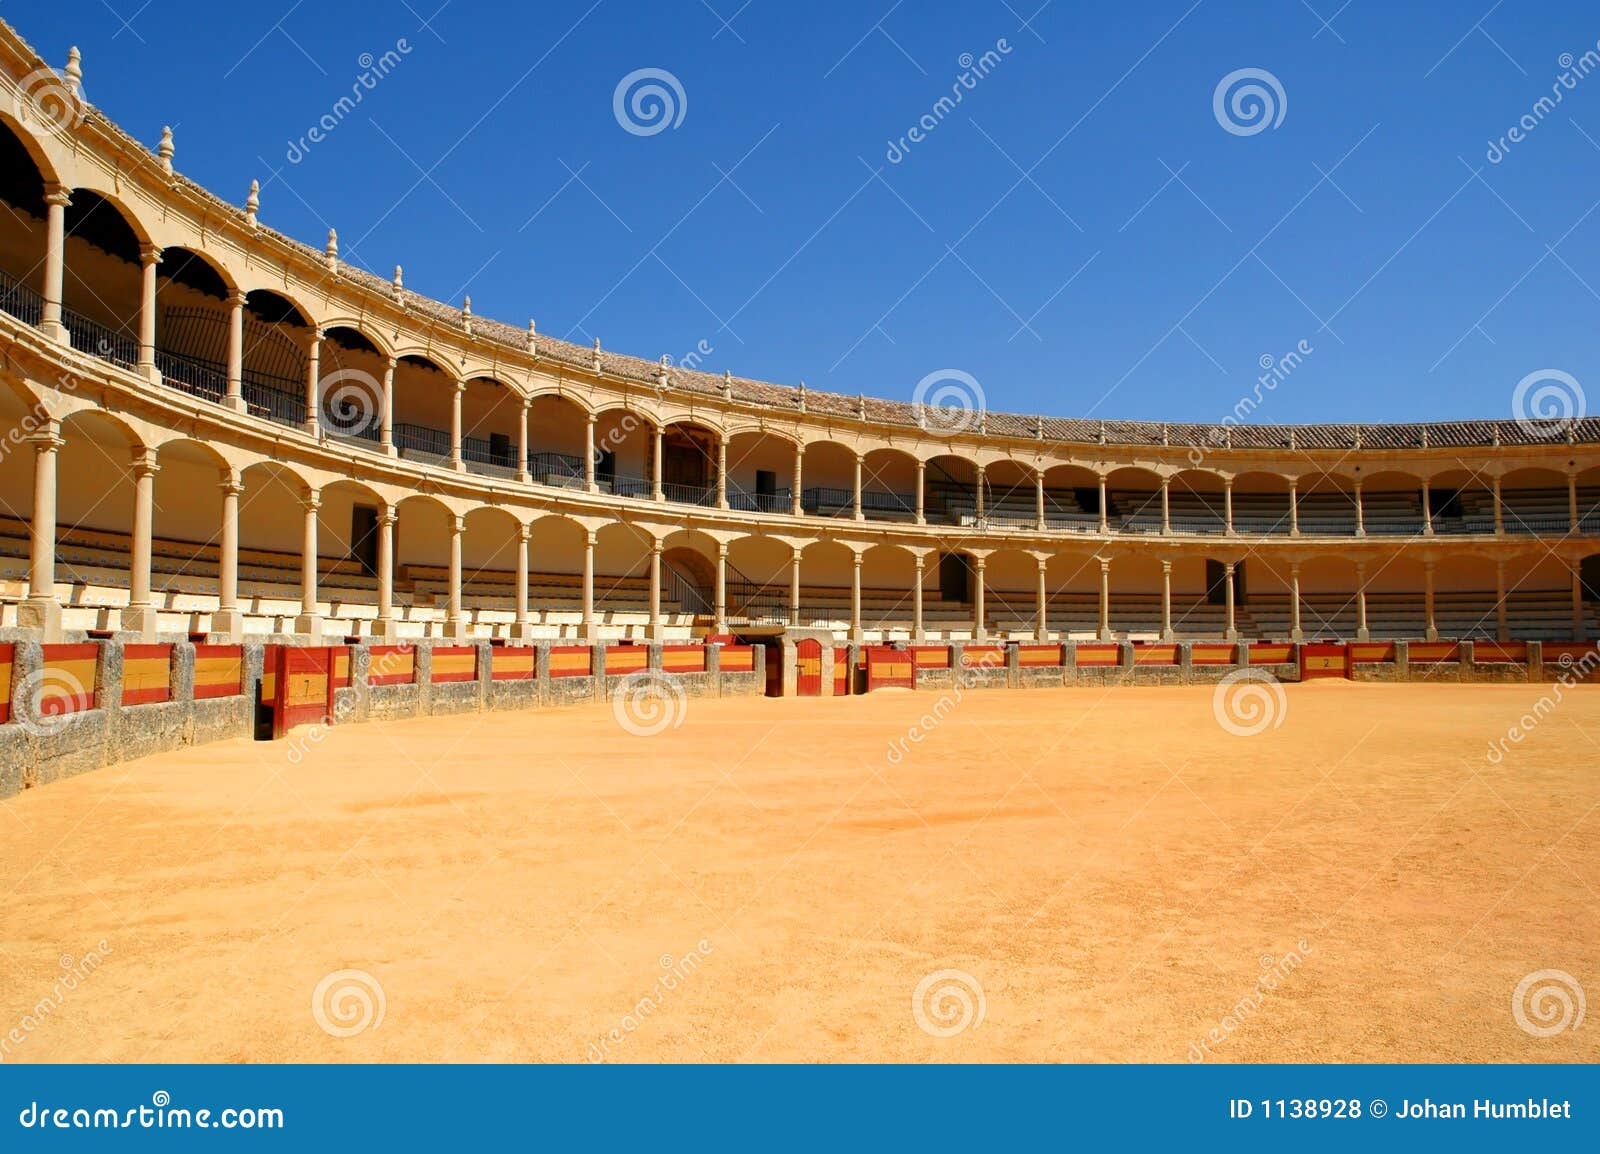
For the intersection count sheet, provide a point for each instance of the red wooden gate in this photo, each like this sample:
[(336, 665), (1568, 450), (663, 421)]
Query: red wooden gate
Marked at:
[(808, 668), (889, 669), (1324, 661), (303, 684)]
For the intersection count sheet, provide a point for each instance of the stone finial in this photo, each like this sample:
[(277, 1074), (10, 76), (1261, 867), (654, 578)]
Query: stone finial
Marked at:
[(399, 288), (331, 253), (802, 391), (1497, 434), (1294, 441), (466, 314), (252, 203), (1424, 436), (1102, 436), (1166, 435), (165, 149), (73, 75), (727, 385), (596, 357), (861, 406), (661, 372), (533, 338)]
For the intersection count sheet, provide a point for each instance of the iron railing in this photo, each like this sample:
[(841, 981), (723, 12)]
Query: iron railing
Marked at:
[(421, 439), (106, 343), (20, 300), (197, 378)]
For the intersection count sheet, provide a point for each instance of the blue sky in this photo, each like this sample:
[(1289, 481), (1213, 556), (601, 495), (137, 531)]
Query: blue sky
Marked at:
[(1081, 233)]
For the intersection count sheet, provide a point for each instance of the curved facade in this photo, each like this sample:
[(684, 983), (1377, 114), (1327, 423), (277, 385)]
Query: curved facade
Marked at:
[(213, 429)]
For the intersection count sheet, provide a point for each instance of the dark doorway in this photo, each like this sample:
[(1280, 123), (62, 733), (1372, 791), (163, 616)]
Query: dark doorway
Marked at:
[(364, 538), (955, 577)]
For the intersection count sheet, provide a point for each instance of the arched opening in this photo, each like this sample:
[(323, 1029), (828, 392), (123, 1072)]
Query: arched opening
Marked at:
[(191, 324), (1261, 504), (688, 463), (689, 574), (22, 230), (1072, 498), (950, 490), (347, 555), (424, 400), (1534, 502), (277, 338), (556, 430), (555, 585), (759, 573), (491, 416), (100, 293), (350, 372), (1197, 502), (888, 486), (1588, 495), (94, 518), (1461, 501), (186, 533), (1327, 505), (422, 561), (1136, 600), (1072, 584), (272, 522), (1133, 500), (490, 539), (830, 480), (1010, 495), (888, 578), (1011, 594), (623, 445), (826, 572), (761, 472), (1391, 504), (1327, 599), (622, 584)]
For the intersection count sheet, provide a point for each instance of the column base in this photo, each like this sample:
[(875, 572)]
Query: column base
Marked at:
[(388, 449), (1105, 635), (43, 614), (312, 428), (522, 631), (524, 478), (227, 624), (138, 622), (1297, 635), (1363, 635), (1431, 634), (1231, 635), (150, 373), (385, 629), (459, 466), (56, 331), (589, 631), (657, 634), (457, 628), (236, 403), (309, 626)]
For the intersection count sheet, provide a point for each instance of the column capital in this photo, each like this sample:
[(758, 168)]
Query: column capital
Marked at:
[(798, 551), (1228, 567), (48, 438), (391, 363), (722, 549), (1105, 565), (145, 463), (231, 486), (657, 547), (389, 516), (859, 559), (57, 195), (458, 524), (236, 299), (1044, 563), (312, 501), (149, 254), (590, 536), (524, 533), (1166, 566), (459, 387)]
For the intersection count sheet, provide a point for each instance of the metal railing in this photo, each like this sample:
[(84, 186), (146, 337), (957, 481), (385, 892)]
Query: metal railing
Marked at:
[(106, 343), (278, 405), (626, 486), (421, 439), (481, 451), (765, 604), (781, 501), (197, 378), (561, 469), (689, 494), (21, 301)]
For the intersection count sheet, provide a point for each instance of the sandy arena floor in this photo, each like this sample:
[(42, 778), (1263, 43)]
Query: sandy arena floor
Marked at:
[(1115, 873)]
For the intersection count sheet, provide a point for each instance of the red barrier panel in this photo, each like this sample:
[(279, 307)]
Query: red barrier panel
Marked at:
[(218, 671), (392, 665), (8, 657), (1040, 656), (570, 661), (841, 671), (983, 657), (454, 663), (737, 659), (1271, 653), (889, 669), (1154, 653), (68, 681), (1368, 652), (304, 683), (1576, 660), (341, 667), (683, 659), (1211, 653), (808, 667), (146, 674), (930, 656), (513, 663), (1098, 656), (1430, 651), (1323, 661), (1496, 652)]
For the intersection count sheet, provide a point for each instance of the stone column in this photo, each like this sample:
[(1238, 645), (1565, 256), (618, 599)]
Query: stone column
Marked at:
[(1499, 514), (1105, 596), (1502, 626), (1227, 506), (794, 589), (1038, 501), (1572, 501), (1579, 631), (1042, 630), (721, 623), (588, 584), (227, 621), (1166, 506), (55, 262), (1294, 506), (522, 442), (918, 633), (1427, 511), (139, 618), (457, 391), (656, 491), (1361, 513), (922, 497), (978, 502), (310, 620), (589, 483), (655, 591), (1105, 523), (1362, 632), (235, 398), (149, 258), (1233, 631), (41, 610), (797, 494), (520, 628), (980, 627), (386, 417), (855, 597), (1430, 624), (455, 625), (722, 472), (314, 383), (1296, 633), (855, 503), (1166, 600), (384, 626)]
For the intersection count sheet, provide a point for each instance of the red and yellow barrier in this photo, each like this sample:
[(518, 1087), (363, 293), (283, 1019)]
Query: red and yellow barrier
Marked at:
[(392, 665), (218, 671), (570, 661), (1367, 652), (622, 660), (1429, 651), (513, 663), (68, 681), (1213, 654), (841, 672), (1099, 656), (738, 659), (341, 667), (1271, 653), (1498, 652), (146, 674), (454, 663), (889, 668), (1155, 653), (1324, 661), (8, 658), (930, 656), (983, 657), (1040, 656), (683, 659)]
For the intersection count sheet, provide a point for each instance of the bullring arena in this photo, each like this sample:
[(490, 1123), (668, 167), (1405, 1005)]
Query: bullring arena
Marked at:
[(454, 692)]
